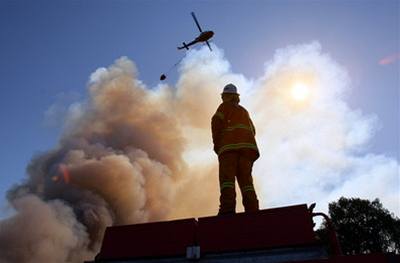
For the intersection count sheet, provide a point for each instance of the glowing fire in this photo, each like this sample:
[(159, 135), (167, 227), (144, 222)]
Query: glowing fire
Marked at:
[(64, 173)]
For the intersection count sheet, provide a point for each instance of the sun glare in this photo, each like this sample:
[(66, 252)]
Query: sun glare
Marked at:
[(300, 92)]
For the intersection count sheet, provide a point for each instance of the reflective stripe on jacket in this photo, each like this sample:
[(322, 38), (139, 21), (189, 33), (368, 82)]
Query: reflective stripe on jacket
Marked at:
[(232, 129)]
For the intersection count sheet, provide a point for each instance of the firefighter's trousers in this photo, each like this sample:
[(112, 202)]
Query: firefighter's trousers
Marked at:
[(236, 164)]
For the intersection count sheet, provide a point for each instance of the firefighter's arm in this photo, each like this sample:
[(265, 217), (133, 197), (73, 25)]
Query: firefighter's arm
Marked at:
[(216, 129), (252, 126)]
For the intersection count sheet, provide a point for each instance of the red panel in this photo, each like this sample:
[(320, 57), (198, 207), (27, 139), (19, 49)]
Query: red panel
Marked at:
[(279, 227), (148, 240), (311, 261)]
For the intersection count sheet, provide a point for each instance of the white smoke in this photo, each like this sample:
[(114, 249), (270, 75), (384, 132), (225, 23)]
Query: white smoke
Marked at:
[(315, 151), (137, 154)]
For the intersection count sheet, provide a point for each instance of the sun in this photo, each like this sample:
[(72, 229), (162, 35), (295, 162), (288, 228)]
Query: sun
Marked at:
[(300, 91)]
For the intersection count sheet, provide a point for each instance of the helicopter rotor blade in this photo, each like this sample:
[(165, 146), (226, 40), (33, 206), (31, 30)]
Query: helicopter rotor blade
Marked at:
[(197, 22), (208, 44)]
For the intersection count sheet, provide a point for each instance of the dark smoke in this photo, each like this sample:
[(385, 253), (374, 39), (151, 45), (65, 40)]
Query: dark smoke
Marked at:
[(123, 155)]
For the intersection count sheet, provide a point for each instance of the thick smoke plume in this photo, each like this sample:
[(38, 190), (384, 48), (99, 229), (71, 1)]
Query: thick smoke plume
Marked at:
[(132, 154), (118, 162)]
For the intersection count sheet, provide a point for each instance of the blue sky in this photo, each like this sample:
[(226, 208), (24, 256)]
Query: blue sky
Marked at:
[(49, 49)]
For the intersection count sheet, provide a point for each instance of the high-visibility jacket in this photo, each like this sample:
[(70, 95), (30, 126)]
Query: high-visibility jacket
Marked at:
[(232, 129)]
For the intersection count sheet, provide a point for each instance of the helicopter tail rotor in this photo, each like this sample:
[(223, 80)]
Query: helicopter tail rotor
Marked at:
[(184, 46)]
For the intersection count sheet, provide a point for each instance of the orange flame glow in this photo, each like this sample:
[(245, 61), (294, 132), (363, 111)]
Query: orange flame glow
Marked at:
[(65, 173)]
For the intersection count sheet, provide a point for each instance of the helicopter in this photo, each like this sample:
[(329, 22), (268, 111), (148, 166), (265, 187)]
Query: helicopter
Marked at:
[(203, 37)]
